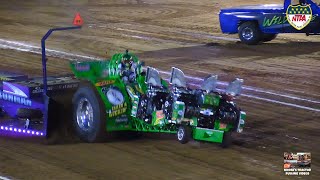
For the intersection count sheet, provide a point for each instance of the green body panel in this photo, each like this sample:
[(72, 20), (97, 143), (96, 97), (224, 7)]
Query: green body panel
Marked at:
[(194, 121), (210, 135), (139, 125), (211, 100), (100, 70), (178, 111), (103, 75), (114, 113), (158, 118), (91, 70)]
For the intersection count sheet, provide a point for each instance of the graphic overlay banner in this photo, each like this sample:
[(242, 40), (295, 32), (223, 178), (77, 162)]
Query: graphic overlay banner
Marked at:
[(297, 163), (299, 16)]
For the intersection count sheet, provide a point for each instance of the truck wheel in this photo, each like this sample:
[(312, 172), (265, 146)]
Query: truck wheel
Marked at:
[(269, 37), (249, 33), (29, 113), (227, 140), (184, 134), (89, 114)]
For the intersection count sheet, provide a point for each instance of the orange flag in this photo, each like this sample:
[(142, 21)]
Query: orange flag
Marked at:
[(77, 21)]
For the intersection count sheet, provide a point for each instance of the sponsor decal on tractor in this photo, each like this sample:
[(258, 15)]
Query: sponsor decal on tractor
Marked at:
[(15, 99), (118, 110), (82, 67), (14, 94), (105, 83)]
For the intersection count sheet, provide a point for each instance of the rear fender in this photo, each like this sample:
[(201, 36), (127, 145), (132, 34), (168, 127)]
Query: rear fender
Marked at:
[(91, 70), (230, 22)]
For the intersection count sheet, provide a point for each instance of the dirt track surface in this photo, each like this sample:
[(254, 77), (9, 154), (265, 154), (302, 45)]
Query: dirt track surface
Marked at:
[(181, 33)]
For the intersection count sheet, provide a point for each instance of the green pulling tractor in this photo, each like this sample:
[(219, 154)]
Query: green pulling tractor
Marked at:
[(121, 95), (117, 95)]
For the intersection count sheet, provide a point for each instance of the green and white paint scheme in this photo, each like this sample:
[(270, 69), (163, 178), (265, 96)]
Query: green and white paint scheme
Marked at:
[(121, 113)]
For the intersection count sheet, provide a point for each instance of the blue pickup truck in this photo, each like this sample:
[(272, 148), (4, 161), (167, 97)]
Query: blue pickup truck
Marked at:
[(262, 23)]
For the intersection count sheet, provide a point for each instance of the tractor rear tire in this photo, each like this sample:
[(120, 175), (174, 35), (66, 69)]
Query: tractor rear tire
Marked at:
[(250, 33), (89, 114), (184, 134)]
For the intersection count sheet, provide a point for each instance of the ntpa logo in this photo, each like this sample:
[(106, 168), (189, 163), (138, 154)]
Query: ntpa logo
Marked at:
[(299, 16)]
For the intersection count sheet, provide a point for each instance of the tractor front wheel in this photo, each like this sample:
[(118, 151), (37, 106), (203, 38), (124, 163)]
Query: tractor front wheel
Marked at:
[(184, 134)]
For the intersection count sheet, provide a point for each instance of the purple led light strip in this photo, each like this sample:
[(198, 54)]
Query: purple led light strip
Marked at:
[(22, 131)]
